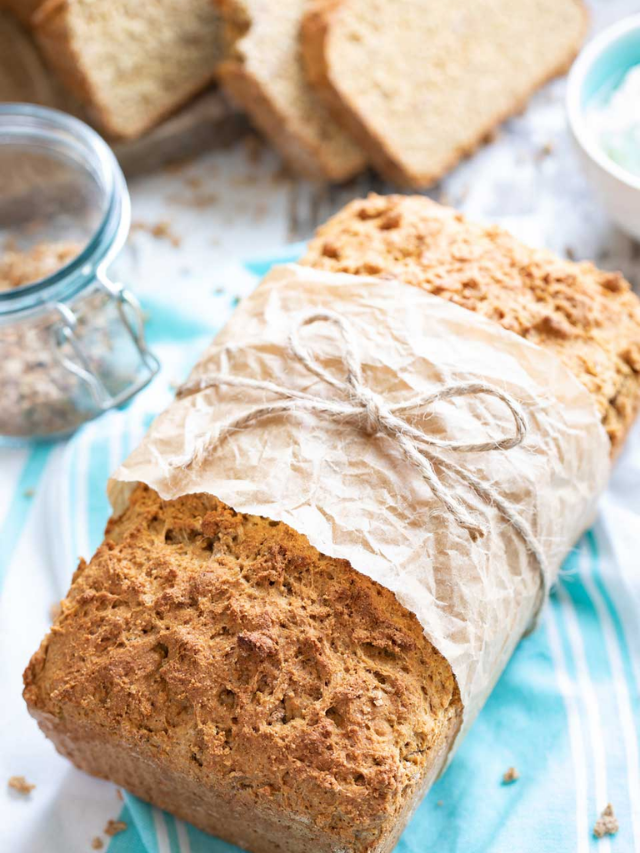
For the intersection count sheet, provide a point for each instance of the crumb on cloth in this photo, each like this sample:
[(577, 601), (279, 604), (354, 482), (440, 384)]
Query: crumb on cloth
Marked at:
[(97, 843), (20, 784), (160, 230), (607, 823), (510, 776), (114, 827)]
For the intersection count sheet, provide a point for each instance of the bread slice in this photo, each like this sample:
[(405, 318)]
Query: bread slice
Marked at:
[(264, 74), (420, 85), (131, 64), (588, 317)]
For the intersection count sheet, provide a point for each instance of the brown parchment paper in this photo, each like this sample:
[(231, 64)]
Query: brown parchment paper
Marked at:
[(354, 496)]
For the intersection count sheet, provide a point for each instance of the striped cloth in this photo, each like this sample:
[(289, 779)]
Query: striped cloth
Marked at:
[(565, 713)]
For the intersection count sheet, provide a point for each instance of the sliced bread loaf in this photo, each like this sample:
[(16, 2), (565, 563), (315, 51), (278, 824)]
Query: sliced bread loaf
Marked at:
[(131, 64), (420, 85), (263, 73)]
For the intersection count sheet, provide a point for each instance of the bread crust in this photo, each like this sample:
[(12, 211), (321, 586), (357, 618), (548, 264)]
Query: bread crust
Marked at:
[(316, 33)]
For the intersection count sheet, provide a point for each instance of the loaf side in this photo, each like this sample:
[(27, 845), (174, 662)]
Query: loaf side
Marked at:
[(588, 317)]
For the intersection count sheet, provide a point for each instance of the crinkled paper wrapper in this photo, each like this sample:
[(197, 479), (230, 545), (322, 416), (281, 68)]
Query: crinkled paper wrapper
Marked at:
[(356, 497)]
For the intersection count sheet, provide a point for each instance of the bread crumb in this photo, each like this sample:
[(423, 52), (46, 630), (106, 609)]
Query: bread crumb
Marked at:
[(510, 776), (119, 794), (547, 149), (160, 230), (113, 827), (176, 166), (569, 252), (607, 823), (198, 200), (20, 784), (440, 803), (97, 843), (29, 493)]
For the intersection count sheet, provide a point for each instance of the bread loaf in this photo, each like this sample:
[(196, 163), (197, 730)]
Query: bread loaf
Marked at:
[(420, 85), (130, 65), (264, 74), (216, 664)]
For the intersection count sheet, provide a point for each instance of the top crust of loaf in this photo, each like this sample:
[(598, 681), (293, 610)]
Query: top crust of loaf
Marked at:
[(229, 649), (130, 64), (588, 317), (263, 72), (439, 76)]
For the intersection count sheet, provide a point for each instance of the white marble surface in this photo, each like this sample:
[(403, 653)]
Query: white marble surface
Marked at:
[(226, 205)]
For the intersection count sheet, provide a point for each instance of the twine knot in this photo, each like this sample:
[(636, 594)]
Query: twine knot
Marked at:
[(371, 413)]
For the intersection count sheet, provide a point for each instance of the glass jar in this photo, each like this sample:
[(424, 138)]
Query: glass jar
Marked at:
[(71, 339)]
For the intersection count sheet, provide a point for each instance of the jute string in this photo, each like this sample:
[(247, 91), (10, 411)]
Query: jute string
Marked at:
[(371, 413)]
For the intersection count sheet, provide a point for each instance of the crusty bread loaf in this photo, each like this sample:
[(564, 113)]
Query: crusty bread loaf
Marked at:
[(130, 64), (219, 666), (588, 317), (420, 85), (264, 74)]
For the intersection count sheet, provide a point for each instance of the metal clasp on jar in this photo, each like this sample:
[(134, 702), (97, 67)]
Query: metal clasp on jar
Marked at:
[(130, 312)]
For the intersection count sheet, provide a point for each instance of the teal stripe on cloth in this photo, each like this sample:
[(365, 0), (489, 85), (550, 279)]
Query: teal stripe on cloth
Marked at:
[(261, 266), (557, 713), (21, 504)]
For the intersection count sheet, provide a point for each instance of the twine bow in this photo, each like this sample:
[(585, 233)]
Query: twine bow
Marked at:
[(371, 413)]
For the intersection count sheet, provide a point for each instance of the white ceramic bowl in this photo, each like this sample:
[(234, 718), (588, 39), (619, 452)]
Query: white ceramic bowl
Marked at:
[(604, 61)]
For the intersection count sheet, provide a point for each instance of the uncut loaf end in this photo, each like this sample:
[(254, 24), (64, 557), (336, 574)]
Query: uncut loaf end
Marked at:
[(218, 666)]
